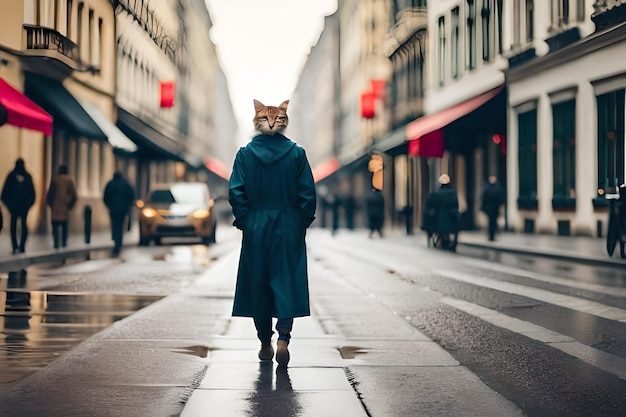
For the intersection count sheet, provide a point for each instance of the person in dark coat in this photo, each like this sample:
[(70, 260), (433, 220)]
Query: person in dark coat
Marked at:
[(119, 197), (61, 198), (273, 199), (375, 206), (492, 199), (441, 213), (18, 195)]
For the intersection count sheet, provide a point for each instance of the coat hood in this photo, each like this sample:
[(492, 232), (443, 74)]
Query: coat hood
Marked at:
[(270, 149)]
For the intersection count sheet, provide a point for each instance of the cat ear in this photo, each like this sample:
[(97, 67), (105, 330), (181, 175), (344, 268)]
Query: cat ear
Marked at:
[(283, 105), (258, 106)]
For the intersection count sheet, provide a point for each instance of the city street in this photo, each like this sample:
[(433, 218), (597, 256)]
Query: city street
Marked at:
[(397, 329)]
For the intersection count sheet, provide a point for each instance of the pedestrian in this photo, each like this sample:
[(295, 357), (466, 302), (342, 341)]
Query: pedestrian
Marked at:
[(441, 213), (273, 199), (492, 199), (119, 197), (18, 195), (61, 198), (375, 206)]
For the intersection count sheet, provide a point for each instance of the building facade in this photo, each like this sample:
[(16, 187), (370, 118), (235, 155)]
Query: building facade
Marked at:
[(314, 110), (566, 113), (128, 85), (58, 54)]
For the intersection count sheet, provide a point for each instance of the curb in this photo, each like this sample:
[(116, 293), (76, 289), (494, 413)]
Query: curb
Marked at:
[(564, 256), (22, 261)]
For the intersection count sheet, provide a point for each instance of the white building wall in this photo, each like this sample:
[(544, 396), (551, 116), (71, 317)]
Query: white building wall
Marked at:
[(579, 74)]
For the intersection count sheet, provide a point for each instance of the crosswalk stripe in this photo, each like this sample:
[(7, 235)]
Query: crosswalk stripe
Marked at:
[(602, 289), (562, 300), (605, 361)]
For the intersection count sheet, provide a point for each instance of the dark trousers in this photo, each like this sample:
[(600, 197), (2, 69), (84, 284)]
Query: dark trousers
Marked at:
[(493, 226), (118, 221), (23, 231), (264, 329), (59, 233)]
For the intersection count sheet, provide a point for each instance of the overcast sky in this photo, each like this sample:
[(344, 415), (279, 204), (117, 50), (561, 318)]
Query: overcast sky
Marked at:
[(262, 45)]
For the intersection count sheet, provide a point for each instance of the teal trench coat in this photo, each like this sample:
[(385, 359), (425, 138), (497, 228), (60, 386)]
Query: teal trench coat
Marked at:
[(273, 198)]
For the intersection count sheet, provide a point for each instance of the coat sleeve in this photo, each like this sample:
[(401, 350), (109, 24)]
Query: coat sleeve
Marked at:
[(237, 192), (307, 198)]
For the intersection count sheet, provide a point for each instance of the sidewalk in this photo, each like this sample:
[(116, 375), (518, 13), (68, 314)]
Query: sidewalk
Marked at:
[(582, 249)]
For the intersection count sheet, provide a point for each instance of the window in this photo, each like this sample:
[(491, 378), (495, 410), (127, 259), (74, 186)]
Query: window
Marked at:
[(524, 23), (69, 20), (562, 12), (580, 10), (564, 149), (610, 140), (471, 34), (565, 11), (527, 132), (442, 50), (486, 29), (91, 36), (499, 18), (530, 20), (455, 43), (79, 28)]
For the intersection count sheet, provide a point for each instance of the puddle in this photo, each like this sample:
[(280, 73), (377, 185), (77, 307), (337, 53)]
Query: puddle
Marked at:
[(37, 327), (351, 352), (200, 351)]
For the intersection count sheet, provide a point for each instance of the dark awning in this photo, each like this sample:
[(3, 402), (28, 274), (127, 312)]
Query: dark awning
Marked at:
[(22, 112), (217, 167), (152, 143), (118, 140), (324, 169), (425, 135), (67, 112)]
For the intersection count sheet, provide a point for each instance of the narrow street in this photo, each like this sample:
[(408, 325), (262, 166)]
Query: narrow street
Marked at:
[(396, 329)]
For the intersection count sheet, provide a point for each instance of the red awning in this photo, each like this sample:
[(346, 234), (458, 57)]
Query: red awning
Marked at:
[(217, 167), (425, 128), (324, 169), (22, 112)]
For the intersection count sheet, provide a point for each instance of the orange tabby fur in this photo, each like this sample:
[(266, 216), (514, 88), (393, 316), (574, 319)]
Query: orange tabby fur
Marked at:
[(270, 119)]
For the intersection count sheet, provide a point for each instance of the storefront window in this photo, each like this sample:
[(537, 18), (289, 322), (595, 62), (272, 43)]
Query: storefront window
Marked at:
[(564, 149), (610, 141), (527, 131)]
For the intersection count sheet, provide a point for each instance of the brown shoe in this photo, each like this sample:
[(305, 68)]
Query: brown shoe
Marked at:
[(282, 353), (266, 353)]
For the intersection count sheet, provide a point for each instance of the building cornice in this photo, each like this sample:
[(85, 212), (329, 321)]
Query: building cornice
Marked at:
[(585, 46)]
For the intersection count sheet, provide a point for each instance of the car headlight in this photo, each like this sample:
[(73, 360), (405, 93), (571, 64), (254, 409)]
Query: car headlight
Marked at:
[(148, 212), (201, 214)]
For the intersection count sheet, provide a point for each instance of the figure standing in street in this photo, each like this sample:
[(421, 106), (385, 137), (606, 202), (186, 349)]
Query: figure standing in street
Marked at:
[(375, 206), (119, 197), (441, 213), (492, 199), (18, 195), (61, 198), (273, 199)]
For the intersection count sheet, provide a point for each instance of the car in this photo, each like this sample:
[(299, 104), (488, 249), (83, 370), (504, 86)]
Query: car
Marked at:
[(180, 209)]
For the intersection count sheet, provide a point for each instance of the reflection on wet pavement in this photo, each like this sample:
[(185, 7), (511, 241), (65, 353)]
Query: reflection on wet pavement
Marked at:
[(36, 327), (273, 398)]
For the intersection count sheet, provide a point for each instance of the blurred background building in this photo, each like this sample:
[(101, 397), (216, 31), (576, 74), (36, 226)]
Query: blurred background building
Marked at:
[(131, 85), (530, 91)]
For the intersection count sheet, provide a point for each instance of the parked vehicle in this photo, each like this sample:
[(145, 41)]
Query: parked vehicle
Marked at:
[(181, 209)]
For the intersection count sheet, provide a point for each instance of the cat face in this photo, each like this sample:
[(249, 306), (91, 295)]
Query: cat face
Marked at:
[(270, 120)]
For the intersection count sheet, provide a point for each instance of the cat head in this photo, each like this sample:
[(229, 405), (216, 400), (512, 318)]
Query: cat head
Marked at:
[(270, 120)]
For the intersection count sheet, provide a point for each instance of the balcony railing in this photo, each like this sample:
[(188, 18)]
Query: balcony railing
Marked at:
[(608, 13), (42, 38), (601, 6)]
